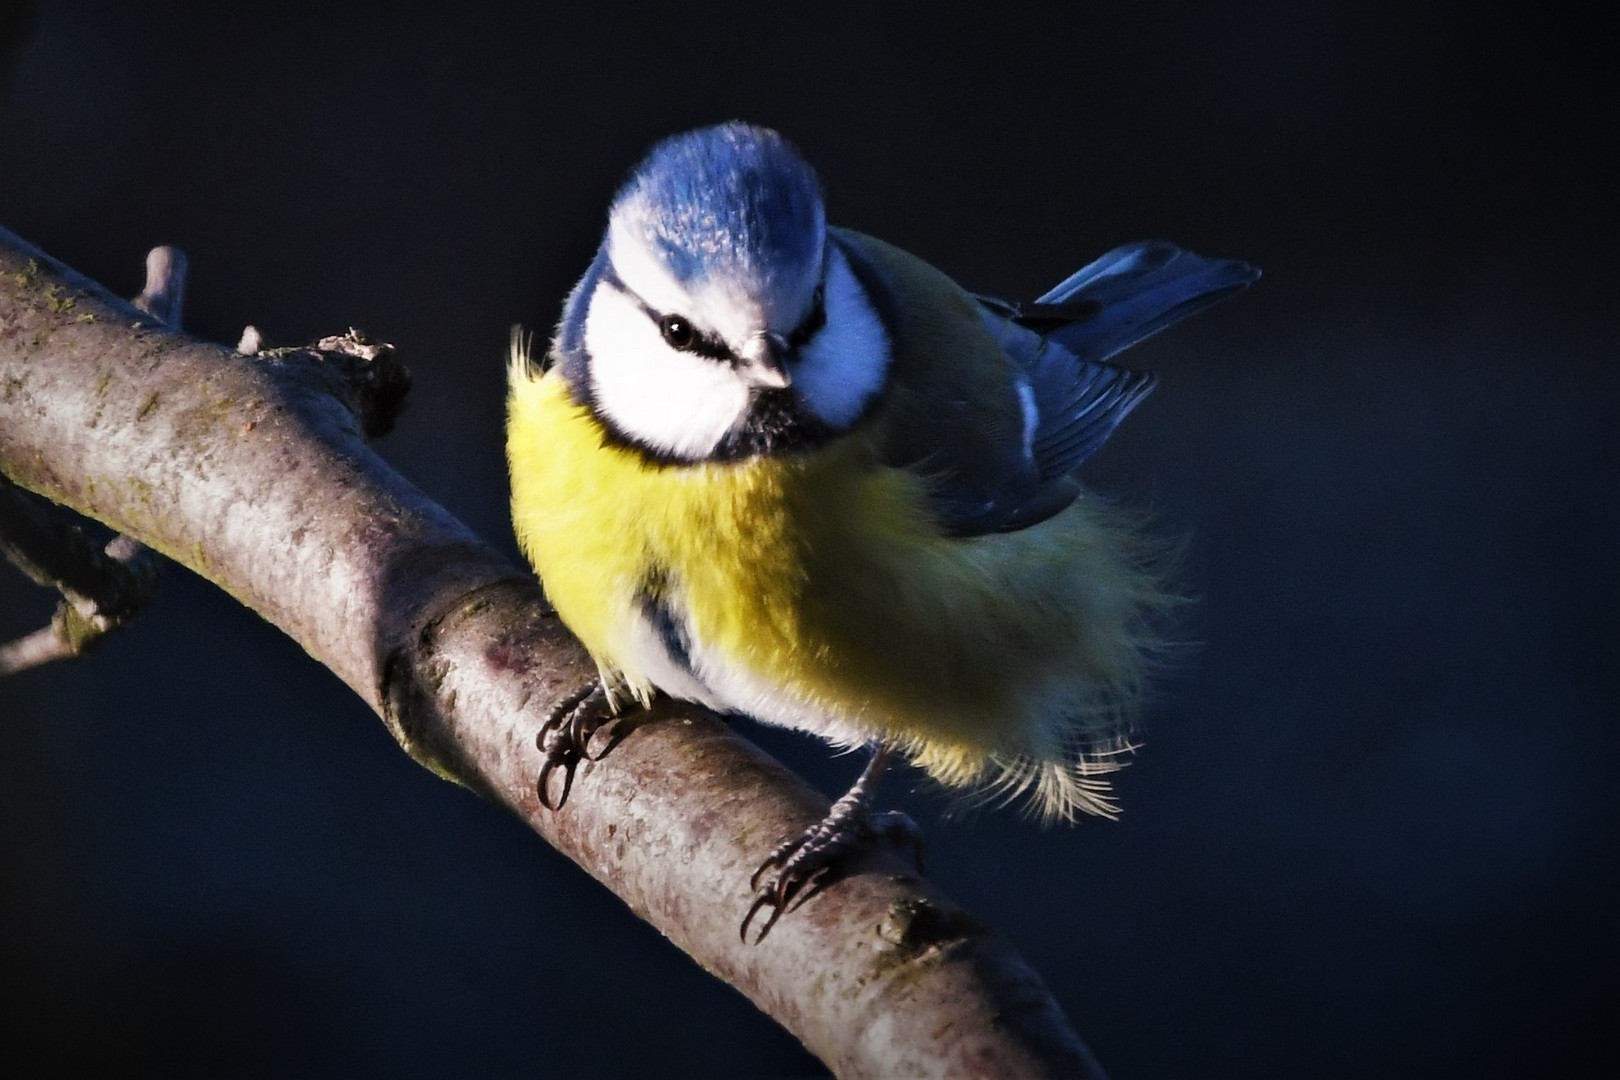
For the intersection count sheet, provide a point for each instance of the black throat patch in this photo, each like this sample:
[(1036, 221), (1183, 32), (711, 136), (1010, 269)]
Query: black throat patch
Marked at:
[(777, 423)]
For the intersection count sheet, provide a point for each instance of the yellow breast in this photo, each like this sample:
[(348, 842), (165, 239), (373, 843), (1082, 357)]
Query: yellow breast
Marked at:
[(822, 577)]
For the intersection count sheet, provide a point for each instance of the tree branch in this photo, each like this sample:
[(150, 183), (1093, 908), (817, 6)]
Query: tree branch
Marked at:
[(101, 589), (251, 473)]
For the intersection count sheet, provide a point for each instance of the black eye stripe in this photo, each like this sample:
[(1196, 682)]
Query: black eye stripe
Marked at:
[(679, 333), (708, 345), (700, 343)]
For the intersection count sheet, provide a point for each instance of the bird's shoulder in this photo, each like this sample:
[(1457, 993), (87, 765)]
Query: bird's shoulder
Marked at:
[(955, 409), (940, 344)]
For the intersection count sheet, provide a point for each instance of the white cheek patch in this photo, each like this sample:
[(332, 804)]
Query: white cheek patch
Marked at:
[(845, 363), (676, 402)]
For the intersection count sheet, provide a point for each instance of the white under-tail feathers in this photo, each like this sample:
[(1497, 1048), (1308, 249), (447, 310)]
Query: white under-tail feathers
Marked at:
[(1061, 772)]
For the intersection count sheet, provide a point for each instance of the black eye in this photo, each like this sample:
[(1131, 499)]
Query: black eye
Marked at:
[(677, 331)]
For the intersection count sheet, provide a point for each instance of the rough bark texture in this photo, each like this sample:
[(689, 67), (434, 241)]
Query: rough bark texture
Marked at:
[(256, 475), (102, 589)]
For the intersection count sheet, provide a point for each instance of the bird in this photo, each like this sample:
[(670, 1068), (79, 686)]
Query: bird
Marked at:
[(788, 471)]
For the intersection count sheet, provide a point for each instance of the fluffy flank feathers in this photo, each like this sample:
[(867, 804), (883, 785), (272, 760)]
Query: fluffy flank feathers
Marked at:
[(1083, 723)]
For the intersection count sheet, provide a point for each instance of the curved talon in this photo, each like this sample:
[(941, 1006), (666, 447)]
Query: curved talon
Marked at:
[(559, 712), (621, 731), (568, 783), (777, 857), (753, 909), (579, 737), (585, 731), (778, 894), (798, 865), (564, 739), (801, 863)]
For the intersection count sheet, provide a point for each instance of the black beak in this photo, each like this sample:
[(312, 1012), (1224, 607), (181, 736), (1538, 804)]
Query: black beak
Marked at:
[(763, 361)]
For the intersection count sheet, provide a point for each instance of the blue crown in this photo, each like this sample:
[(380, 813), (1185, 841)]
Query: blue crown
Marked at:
[(731, 199)]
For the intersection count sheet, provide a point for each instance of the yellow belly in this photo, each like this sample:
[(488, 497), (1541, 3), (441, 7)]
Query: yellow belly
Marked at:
[(822, 579)]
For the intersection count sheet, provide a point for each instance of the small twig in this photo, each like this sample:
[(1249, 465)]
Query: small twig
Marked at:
[(31, 651), (378, 385), (101, 589), (365, 375), (165, 291), (251, 342)]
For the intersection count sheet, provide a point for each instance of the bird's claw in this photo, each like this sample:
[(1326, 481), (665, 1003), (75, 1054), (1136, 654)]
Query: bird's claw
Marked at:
[(801, 862), (564, 739)]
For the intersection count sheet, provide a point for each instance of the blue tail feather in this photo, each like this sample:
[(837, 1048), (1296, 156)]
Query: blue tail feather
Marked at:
[(1134, 292)]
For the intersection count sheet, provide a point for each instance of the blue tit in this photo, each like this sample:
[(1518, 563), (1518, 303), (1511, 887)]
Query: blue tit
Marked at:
[(790, 471)]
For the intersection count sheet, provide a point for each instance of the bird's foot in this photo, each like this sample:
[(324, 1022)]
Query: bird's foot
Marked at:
[(798, 864), (565, 738)]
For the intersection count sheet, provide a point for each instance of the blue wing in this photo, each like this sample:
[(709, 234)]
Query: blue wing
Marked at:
[(998, 416), (1097, 312)]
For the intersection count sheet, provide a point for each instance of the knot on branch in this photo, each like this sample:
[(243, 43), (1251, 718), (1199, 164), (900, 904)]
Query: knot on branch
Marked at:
[(363, 375), (914, 926), (378, 384)]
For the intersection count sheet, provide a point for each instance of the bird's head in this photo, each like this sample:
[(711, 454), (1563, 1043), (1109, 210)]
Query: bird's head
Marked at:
[(719, 320)]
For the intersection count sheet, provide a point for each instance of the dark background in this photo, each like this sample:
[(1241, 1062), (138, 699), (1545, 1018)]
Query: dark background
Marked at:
[(1373, 829)]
